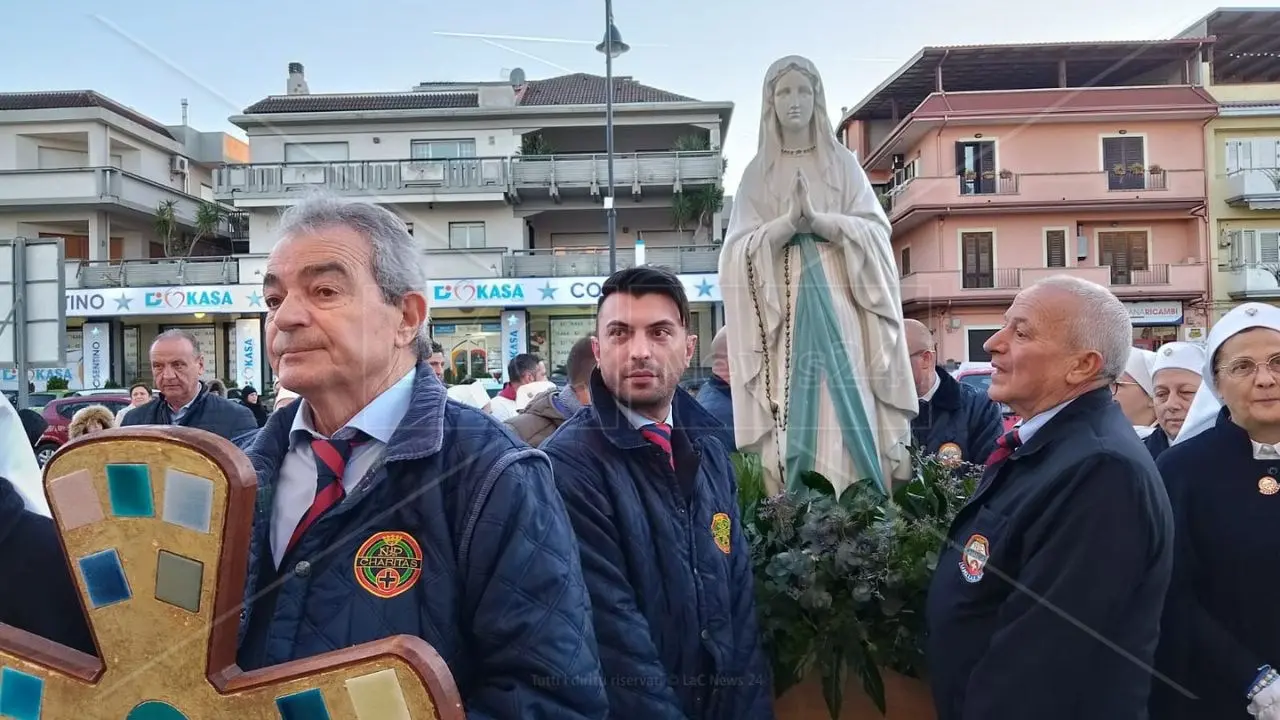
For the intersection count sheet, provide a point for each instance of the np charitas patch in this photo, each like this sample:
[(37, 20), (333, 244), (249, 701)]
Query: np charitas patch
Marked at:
[(973, 559), (388, 563), (950, 454), (720, 527)]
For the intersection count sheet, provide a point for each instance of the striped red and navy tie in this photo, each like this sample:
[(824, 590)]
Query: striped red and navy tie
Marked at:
[(660, 434), (1004, 447), (331, 462)]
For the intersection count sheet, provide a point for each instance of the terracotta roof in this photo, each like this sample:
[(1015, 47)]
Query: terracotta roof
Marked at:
[(1067, 100), (575, 89), (364, 101), (76, 99), (585, 89)]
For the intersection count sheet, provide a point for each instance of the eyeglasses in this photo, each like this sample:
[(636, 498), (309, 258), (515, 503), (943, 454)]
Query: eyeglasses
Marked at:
[(1242, 368), (1115, 386)]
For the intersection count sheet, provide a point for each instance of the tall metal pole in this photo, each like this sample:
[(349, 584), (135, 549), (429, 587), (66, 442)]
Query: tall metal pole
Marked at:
[(20, 317), (611, 212)]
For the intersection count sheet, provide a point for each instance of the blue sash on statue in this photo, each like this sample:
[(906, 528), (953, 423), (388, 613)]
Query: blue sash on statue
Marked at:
[(818, 351)]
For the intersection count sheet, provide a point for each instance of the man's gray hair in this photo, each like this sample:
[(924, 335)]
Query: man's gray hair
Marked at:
[(395, 258), (179, 334), (1100, 322)]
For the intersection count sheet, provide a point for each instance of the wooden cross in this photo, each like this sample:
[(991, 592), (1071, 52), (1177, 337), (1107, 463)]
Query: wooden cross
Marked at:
[(156, 525)]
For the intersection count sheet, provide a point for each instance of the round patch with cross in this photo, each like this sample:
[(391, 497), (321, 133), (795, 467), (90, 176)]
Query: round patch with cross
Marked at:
[(388, 563)]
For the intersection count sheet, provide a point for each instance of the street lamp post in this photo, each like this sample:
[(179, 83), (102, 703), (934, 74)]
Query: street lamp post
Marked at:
[(612, 46)]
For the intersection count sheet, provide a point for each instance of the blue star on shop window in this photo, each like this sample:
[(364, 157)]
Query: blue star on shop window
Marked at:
[(704, 290), (548, 292), (122, 302), (255, 299)]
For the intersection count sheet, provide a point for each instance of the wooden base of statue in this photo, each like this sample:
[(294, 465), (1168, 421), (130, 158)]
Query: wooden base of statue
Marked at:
[(905, 699), (156, 523)]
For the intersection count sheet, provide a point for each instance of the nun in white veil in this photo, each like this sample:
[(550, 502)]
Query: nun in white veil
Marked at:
[(1220, 634), (18, 461), (1135, 393), (820, 375)]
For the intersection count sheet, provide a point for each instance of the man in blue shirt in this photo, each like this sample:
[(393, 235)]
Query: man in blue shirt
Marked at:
[(652, 495)]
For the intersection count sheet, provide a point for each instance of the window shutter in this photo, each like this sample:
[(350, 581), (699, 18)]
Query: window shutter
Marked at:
[(960, 158), (1056, 248), (1269, 246)]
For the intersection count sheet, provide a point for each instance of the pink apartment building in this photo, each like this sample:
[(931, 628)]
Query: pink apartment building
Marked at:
[(1001, 165)]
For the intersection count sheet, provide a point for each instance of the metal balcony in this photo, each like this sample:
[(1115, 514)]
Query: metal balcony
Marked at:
[(594, 261), (153, 272), (587, 175), (363, 178)]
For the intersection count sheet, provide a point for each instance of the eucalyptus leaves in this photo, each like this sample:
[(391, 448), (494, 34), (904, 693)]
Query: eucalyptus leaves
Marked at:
[(841, 582)]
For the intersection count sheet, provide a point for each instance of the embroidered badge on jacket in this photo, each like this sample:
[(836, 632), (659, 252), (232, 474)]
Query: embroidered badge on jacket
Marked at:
[(388, 563), (973, 560), (950, 454), (720, 527)]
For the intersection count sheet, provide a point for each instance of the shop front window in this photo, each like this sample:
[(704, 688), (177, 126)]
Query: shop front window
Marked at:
[(1152, 337), (472, 350)]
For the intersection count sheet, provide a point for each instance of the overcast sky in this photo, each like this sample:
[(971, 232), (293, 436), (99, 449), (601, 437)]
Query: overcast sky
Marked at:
[(223, 56)]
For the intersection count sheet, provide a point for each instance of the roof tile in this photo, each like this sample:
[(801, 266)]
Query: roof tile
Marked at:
[(346, 102), (76, 99)]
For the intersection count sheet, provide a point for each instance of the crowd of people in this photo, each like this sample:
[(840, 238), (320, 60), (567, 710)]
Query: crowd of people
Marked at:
[(582, 551)]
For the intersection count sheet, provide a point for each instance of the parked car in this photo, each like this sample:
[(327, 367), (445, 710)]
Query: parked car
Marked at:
[(58, 414), (978, 375)]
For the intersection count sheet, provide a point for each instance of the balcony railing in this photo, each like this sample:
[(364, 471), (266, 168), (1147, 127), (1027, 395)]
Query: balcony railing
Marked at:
[(636, 171), (1002, 283), (93, 186), (1256, 281), (1044, 188), (362, 178), (554, 174), (153, 272), (594, 261), (1254, 188)]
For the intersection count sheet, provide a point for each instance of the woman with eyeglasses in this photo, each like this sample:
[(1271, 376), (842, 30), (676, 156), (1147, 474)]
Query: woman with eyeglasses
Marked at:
[(1220, 633), (1134, 392)]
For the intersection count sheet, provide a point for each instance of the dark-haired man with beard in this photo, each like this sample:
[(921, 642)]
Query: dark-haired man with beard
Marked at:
[(651, 493)]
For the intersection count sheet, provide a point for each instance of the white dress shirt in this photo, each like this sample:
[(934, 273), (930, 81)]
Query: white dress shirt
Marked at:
[(296, 485), (638, 421), (1032, 425)]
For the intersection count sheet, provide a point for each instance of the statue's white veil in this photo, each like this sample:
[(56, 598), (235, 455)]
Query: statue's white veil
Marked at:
[(827, 148)]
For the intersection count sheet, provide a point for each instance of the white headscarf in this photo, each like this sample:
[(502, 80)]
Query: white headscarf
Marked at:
[(1139, 368), (18, 461), (1179, 356), (1208, 402)]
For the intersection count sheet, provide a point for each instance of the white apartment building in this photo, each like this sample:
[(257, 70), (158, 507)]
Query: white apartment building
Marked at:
[(83, 167), (503, 185)]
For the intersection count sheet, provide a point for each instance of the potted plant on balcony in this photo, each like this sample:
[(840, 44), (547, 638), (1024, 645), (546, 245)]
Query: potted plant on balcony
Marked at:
[(1118, 169), (1136, 168), (970, 176), (841, 584), (697, 205), (1006, 175)]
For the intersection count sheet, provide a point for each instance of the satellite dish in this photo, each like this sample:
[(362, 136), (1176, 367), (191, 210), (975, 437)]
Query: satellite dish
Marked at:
[(517, 77)]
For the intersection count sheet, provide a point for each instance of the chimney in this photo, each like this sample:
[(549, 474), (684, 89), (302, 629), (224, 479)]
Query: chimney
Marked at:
[(297, 80)]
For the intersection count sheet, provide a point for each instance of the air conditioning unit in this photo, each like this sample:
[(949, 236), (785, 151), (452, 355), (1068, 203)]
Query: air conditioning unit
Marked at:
[(178, 165)]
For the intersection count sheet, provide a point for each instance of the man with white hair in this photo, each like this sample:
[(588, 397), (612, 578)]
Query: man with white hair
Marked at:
[(372, 462), (715, 395), (1046, 600), (1175, 379)]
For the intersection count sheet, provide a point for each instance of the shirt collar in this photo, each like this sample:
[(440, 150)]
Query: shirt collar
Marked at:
[(638, 421), (379, 419), (1032, 425), (937, 383)]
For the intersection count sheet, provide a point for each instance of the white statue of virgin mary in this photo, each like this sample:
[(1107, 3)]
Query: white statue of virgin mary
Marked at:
[(819, 369)]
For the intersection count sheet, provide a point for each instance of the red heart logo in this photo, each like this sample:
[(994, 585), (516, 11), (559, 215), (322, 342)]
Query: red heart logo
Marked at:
[(174, 298), (464, 292)]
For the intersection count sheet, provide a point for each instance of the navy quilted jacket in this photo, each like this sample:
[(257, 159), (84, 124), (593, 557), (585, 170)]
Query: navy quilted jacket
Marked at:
[(666, 562), (500, 595)]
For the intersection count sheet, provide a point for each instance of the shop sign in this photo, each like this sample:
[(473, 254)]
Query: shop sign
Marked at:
[(114, 302), (514, 336), (543, 292), (1155, 312)]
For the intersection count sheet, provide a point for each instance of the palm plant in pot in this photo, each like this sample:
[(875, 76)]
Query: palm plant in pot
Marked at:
[(841, 581)]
